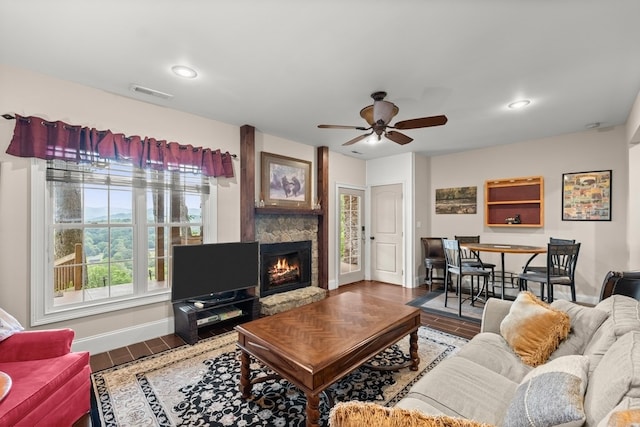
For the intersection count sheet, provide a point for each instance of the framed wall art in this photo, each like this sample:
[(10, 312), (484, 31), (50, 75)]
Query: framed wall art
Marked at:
[(286, 182), (457, 200), (586, 196)]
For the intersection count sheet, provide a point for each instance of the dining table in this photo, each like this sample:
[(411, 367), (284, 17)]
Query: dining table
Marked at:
[(505, 248)]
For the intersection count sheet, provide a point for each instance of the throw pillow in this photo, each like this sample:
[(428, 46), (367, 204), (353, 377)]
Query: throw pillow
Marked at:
[(625, 414), (358, 414), (628, 418), (8, 325), (551, 394), (533, 329)]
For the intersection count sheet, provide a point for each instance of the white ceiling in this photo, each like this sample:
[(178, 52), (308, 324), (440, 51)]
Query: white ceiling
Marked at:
[(285, 66)]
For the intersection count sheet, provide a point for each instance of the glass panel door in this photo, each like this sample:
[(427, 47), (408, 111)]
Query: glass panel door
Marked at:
[(351, 235)]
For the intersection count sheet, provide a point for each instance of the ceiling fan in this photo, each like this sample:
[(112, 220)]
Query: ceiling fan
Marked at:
[(380, 114)]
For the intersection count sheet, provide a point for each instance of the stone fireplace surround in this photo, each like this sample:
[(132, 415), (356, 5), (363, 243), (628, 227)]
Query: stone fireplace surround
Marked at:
[(280, 228), (294, 262)]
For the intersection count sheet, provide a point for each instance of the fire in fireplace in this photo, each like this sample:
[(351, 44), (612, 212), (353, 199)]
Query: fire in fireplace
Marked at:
[(284, 266)]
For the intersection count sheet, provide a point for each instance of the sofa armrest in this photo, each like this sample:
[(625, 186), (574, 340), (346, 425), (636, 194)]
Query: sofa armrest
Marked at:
[(36, 345), (494, 311)]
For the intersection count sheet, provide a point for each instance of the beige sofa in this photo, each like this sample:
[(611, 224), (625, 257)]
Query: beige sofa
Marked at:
[(488, 382)]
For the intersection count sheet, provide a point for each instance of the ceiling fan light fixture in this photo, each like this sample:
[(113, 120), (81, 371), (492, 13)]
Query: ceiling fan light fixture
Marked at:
[(384, 111), (515, 105)]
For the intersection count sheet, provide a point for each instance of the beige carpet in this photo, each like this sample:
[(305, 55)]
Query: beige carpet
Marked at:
[(198, 385)]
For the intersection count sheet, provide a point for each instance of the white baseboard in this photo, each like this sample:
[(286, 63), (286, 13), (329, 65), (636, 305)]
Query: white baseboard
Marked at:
[(123, 337)]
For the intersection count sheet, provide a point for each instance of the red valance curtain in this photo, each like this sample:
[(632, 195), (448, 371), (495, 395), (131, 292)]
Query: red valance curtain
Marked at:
[(36, 137)]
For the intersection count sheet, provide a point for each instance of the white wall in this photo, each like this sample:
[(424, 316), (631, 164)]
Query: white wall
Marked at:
[(633, 221), (604, 243)]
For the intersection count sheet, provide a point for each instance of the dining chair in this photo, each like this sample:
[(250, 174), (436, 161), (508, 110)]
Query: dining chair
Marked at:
[(560, 270), (455, 266), (553, 241), (472, 258), (434, 260)]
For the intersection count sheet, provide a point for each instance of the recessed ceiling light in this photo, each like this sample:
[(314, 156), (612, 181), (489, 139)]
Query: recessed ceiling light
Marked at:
[(519, 104), (184, 71)]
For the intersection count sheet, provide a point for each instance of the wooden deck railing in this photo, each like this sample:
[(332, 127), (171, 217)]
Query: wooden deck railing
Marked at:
[(68, 271)]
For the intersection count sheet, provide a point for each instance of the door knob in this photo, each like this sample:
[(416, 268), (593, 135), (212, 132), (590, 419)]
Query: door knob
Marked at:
[(372, 238)]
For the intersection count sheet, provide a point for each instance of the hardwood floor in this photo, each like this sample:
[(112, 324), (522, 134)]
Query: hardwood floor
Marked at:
[(395, 293)]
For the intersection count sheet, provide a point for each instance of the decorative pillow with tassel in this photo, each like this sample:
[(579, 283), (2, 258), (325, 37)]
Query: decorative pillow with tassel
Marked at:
[(533, 329), (367, 414)]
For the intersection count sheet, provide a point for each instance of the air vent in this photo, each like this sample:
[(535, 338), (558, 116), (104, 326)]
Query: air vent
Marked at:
[(151, 92)]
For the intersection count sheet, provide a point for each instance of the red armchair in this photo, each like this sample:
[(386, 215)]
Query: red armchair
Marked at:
[(50, 383)]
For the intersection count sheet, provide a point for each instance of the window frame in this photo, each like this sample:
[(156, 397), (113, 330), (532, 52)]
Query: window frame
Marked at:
[(42, 310)]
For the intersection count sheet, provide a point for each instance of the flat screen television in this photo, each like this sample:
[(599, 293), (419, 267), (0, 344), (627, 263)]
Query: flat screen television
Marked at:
[(213, 271)]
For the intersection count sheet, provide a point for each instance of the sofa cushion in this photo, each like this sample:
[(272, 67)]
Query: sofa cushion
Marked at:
[(35, 381), (551, 394), (533, 329), (617, 376), (358, 414), (584, 322), (458, 387), (493, 352), (624, 316)]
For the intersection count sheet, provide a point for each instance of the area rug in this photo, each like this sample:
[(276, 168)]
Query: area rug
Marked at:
[(198, 386), (433, 303)]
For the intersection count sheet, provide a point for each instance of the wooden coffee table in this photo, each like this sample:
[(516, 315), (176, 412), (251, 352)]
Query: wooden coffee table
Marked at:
[(315, 345)]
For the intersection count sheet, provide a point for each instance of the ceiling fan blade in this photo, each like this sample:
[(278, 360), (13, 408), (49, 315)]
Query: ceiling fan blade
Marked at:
[(357, 138), (398, 138), (423, 122), (342, 127)]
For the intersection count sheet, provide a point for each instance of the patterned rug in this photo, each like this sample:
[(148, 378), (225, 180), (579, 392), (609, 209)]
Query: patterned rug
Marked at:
[(198, 386)]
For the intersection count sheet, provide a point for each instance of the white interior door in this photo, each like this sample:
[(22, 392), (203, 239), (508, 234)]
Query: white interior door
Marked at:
[(350, 239), (387, 256)]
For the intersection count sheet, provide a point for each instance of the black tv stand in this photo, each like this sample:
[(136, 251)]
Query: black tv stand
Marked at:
[(214, 301), (232, 309)]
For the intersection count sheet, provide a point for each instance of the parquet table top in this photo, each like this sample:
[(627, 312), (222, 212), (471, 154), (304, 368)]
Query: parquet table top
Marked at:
[(315, 345)]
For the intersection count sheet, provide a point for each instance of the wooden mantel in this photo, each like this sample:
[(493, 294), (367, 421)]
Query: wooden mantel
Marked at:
[(248, 210)]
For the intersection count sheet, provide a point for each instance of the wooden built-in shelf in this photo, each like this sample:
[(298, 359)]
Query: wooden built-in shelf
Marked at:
[(505, 198), (274, 210)]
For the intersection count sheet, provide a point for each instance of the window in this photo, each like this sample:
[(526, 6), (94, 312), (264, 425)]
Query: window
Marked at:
[(103, 234)]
